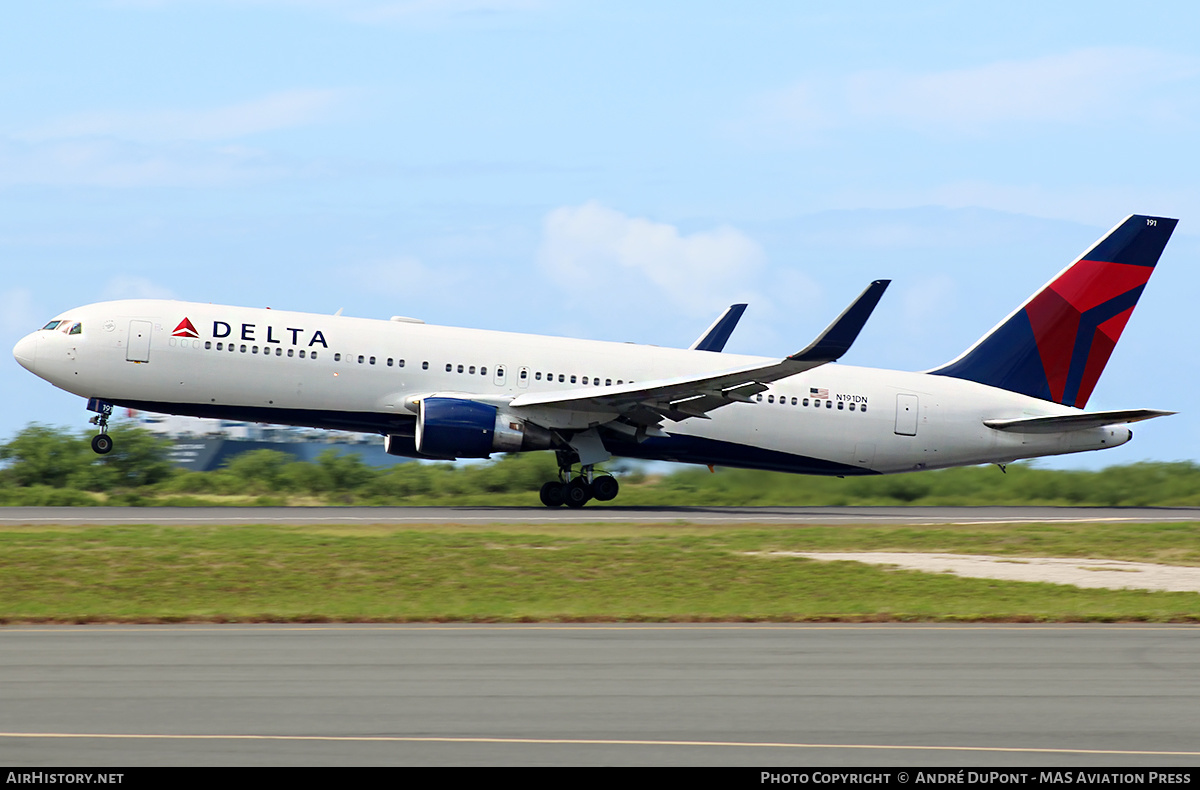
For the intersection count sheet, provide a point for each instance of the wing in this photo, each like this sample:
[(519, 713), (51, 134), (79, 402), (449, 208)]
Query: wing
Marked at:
[(717, 335), (1075, 422), (647, 403)]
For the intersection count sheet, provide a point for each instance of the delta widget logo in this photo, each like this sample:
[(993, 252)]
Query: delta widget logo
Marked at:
[(185, 329)]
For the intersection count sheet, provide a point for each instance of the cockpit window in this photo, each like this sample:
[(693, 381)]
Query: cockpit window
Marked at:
[(52, 324), (76, 329)]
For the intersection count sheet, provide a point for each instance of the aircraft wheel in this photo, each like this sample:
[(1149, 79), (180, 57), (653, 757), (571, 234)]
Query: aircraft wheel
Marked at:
[(102, 443), (578, 492), (605, 488), (553, 494)]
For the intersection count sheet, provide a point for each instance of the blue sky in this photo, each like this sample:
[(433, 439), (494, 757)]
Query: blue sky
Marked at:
[(611, 170)]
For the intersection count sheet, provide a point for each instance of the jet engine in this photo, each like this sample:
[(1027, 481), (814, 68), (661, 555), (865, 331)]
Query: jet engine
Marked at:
[(460, 428)]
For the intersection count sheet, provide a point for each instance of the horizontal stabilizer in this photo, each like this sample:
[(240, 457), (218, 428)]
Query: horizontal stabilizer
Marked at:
[(1075, 422), (717, 335)]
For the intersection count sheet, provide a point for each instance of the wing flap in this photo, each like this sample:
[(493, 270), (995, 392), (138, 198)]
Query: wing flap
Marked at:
[(1075, 422)]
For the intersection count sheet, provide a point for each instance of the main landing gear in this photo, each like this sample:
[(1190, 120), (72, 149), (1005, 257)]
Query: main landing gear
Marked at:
[(102, 443), (575, 492)]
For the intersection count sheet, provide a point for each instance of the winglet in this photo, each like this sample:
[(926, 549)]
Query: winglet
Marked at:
[(717, 335), (841, 334)]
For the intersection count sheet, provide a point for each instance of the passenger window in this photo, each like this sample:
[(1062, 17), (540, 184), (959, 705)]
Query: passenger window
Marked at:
[(314, 353), (483, 370), (851, 407), (608, 382), (524, 373), (471, 370), (770, 399), (460, 368), (829, 404), (537, 376), (337, 357), (562, 377), (207, 344), (400, 364), (291, 352), (372, 360), (572, 379), (804, 402), (243, 348), (841, 405)]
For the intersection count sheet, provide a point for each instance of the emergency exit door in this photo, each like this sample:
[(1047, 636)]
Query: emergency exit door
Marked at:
[(907, 408)]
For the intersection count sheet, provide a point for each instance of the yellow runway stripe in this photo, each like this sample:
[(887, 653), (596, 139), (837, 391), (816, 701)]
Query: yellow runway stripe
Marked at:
[(585, 742)]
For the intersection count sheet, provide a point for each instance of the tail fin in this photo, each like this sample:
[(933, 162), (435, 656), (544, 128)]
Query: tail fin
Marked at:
[(1055, 345)]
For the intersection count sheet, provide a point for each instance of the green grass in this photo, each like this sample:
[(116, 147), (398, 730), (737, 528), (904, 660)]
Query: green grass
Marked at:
[(571, 573)]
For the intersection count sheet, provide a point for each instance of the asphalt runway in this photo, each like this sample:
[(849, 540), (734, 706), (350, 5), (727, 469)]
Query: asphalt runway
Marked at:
[(569, 695), (14, 516)]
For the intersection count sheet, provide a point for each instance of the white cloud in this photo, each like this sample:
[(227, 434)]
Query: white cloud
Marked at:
[(119, 164), (409, 278), (370, 11), (1083, 87), (131, 287), (433, 10), (283, 110), (1101, 205), (589, 250)]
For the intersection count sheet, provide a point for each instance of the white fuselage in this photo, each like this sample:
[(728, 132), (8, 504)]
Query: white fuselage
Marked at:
[(362, 374)]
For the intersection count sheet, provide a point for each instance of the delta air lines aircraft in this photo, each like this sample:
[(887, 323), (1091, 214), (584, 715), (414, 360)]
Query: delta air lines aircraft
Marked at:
[(445, 392)]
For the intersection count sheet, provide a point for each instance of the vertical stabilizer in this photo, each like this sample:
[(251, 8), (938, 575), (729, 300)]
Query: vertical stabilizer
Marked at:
[(1055, 345)]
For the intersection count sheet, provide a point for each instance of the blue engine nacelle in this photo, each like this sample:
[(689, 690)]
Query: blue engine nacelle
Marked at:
[(460, 428)]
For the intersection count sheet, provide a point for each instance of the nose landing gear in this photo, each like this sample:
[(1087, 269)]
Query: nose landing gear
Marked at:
[(102, 443)]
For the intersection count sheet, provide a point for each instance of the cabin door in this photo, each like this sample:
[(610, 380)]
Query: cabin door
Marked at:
[(137, 349)]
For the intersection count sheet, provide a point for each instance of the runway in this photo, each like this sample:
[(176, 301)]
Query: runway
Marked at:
[(15, 516), (753, 695)]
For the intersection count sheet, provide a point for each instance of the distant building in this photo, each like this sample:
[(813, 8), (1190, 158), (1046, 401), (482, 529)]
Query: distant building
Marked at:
[(201, 444)]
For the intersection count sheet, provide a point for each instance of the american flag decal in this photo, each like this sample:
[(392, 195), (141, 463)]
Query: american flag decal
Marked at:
[(815, 392)]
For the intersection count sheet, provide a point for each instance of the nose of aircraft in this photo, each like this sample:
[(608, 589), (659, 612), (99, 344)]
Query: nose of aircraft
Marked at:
[(26, 351)]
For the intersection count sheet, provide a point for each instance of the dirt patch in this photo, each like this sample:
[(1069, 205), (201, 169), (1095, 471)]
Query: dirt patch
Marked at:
[(1110, 574)]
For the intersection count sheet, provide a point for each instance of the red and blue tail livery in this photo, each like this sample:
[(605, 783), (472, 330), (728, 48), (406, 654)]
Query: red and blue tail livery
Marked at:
[(1055, 346)]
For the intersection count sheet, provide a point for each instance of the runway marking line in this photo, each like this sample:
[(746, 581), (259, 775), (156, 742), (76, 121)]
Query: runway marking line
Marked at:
[(587, 742)]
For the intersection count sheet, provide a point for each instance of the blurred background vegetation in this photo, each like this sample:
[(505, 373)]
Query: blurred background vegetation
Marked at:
[(50, 466)]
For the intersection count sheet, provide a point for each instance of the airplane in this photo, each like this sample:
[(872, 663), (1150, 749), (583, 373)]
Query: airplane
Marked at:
[(442, 392)]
